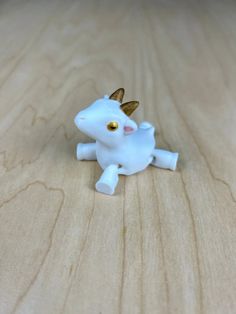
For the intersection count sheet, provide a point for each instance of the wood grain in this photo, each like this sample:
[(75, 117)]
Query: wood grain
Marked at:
[(166, 241)]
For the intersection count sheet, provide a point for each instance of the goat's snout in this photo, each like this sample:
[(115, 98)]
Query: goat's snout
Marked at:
[(81, 115), (79, 118)]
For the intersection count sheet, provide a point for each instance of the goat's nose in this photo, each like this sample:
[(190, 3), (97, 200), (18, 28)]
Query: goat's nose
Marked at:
[(81, 115), (79, 119)]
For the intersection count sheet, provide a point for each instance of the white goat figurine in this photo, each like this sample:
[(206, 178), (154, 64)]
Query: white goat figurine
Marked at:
[(121, 146)]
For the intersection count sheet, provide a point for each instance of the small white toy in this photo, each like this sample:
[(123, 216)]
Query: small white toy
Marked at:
[(121, 146)]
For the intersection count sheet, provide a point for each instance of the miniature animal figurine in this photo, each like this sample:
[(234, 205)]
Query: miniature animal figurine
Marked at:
[(121, 147)]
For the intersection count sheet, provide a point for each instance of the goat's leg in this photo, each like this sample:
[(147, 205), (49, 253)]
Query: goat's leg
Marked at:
[(86, 151), (164, 159), (108, 180)]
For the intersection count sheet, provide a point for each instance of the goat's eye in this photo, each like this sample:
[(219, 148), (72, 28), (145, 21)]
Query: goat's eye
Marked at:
[(112, 126)]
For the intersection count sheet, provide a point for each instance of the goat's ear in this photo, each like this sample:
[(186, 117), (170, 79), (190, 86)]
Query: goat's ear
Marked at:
[(129, 107), (130, 127), (118, 95)]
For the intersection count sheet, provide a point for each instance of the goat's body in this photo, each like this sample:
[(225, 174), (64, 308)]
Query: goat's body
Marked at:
[(133, 155)]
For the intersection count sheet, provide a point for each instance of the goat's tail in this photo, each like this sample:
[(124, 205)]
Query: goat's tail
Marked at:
[(145, 125)]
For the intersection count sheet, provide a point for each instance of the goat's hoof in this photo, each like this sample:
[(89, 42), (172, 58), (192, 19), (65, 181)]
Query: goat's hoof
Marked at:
[(79, 151), (174, 161), (104, 188)]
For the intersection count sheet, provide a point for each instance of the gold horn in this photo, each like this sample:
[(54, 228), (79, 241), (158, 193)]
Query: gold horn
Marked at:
[(129, 107), (118, 95)]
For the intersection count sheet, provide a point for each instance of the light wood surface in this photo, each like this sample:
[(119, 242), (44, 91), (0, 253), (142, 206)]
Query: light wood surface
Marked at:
[(166, 242)]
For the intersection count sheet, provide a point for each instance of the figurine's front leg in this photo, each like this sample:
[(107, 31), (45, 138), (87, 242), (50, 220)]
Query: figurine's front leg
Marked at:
[(164, 159), (108, 180), (86, 151)]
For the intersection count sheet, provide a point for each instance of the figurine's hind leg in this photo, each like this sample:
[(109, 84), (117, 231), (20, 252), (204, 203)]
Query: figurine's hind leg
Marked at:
[(86, 151), (164, 159), (108, 180)]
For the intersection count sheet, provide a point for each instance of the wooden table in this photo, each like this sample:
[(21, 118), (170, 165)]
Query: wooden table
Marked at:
[(166, 241)]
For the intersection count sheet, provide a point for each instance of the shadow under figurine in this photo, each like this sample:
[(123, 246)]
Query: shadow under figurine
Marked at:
[(121, 146)]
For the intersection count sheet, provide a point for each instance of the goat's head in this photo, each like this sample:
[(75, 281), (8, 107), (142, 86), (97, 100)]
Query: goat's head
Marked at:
[(107, 119)]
